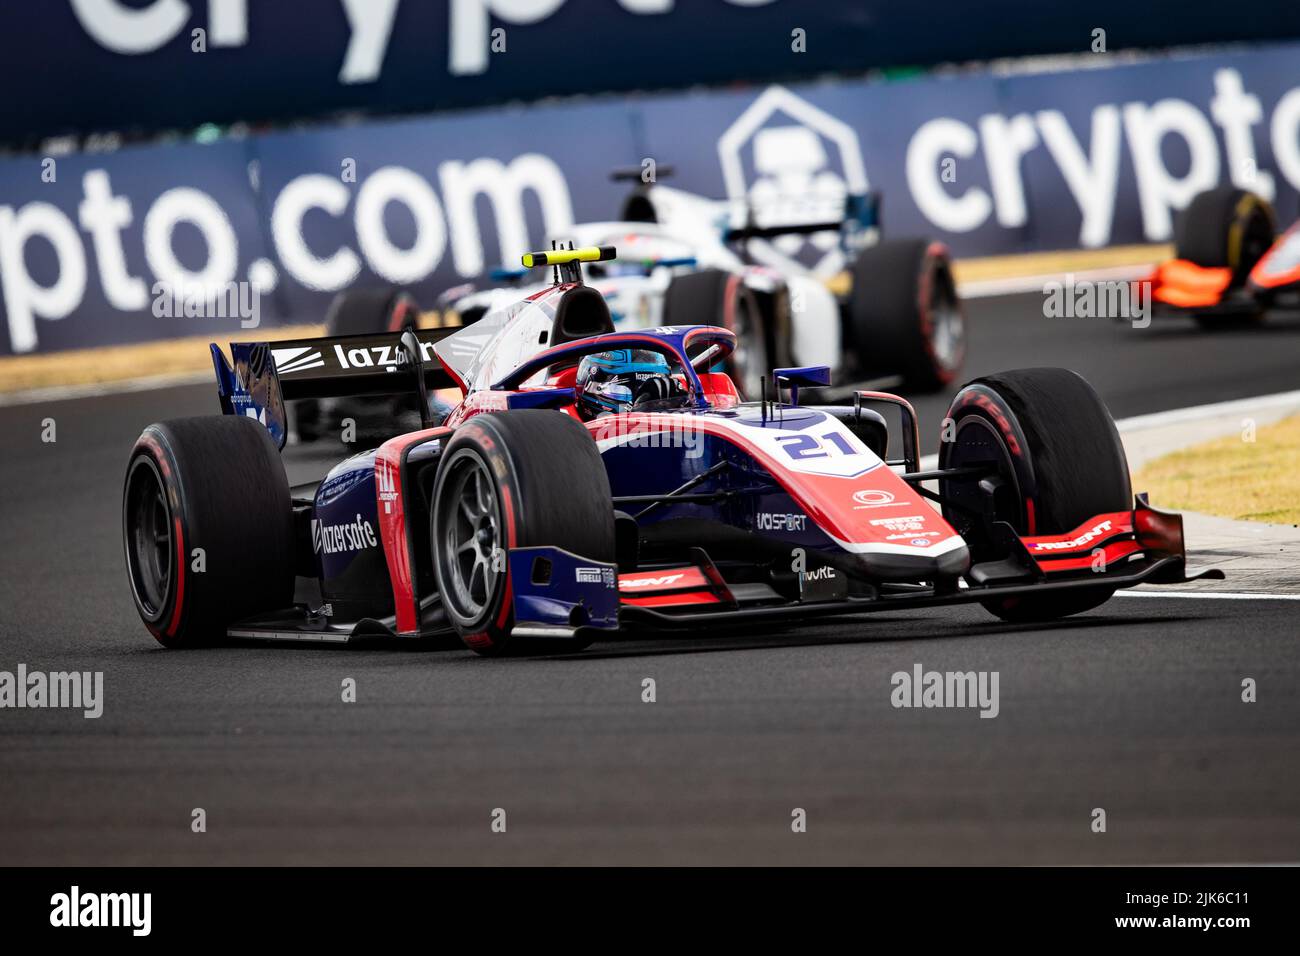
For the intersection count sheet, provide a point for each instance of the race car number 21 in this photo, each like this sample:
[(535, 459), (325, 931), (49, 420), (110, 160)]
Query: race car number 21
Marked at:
[(803, 447)]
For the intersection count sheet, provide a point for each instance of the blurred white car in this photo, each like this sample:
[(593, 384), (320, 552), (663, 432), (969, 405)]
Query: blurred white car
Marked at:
[(891, 315)]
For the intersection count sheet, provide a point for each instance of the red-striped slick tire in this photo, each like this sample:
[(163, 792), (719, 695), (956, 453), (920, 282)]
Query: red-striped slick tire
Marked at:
[(718, 297), (905, 317), (531, 477), (1059, 457), (207, 527)]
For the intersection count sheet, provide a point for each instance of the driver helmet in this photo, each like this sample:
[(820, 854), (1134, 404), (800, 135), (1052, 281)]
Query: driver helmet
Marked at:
[(614, 381)]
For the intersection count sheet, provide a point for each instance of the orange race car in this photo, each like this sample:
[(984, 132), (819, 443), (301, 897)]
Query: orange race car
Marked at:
[(1230, 264)]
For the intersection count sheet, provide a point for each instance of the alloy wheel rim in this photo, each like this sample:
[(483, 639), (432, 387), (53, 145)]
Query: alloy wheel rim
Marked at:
[(150, 545), (471, 539)]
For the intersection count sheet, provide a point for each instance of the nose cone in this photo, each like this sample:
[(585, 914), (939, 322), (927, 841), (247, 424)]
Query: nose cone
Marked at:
[(946, 559)]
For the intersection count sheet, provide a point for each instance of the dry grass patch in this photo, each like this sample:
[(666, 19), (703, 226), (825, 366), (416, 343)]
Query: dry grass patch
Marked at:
[(1233, 478)]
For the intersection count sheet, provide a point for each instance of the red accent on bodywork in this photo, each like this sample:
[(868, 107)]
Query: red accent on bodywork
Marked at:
[(460, 382), (1186, 285), (1111, 532), (1120, 522), (1275, 280), (1115, 551), (827, 499), (392, 523), (719, 390), (1158, 531), (565, 378), (673, 600), (663, 580)]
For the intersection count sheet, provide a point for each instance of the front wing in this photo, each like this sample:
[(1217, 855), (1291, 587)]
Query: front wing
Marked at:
[(558, 594)]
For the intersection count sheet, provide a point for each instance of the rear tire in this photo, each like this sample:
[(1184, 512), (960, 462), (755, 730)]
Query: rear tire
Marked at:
[(359, 312), (207, 527), (1226, 227), (1059, 457), (516, 479), (718, 297), (905, 316), (368, 311)]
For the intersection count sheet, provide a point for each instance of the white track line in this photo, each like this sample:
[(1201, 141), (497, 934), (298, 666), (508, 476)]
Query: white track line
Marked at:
[(1179, 416), (1211, 595), (59, 393), (1016, 285)]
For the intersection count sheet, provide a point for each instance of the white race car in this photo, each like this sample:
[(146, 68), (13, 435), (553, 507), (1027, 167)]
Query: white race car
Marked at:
[(890, 315)]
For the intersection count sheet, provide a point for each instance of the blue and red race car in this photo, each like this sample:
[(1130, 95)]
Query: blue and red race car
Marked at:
[(558, 504)]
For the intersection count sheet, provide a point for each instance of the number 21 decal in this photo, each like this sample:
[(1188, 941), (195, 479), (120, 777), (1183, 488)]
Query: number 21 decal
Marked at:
[(803, 447)]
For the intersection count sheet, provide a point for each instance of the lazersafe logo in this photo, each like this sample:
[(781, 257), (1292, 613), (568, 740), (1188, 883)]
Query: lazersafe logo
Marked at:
[(921, 688), (335, 538), (75, 690), (74, 909)]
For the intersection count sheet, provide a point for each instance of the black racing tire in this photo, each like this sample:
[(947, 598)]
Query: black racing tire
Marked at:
[(307, 420), (718, 297), (354, 312), (472, 314), (1061, 461), (1226, 227), (214, 483), (532, 477), (905, 316), (367, 311)]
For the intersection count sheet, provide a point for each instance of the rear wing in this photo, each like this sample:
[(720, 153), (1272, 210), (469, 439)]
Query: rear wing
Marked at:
[(859, 227), (262, 376)]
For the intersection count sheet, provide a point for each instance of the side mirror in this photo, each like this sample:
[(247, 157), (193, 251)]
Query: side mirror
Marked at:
[(810, 375)]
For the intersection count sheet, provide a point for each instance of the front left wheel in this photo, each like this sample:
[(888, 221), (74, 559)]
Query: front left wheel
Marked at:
[(516, 479)]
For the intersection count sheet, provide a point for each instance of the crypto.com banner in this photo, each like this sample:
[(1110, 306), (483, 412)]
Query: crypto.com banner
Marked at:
[(97, 65), (91, 244)]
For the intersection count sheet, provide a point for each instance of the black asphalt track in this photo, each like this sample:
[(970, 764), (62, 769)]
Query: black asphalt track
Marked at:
[(1134, 708)]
